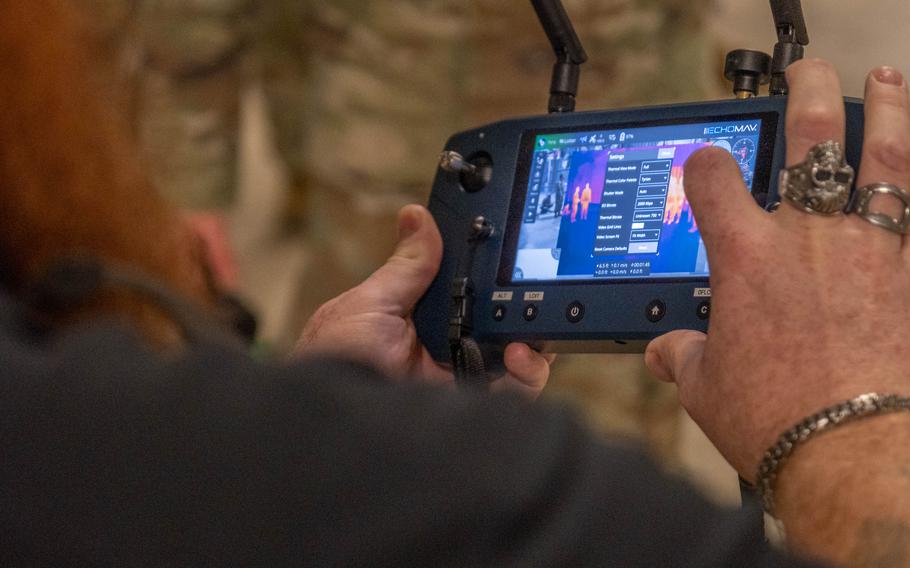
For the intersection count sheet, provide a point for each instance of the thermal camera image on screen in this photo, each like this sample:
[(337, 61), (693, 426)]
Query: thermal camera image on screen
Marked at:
[(611, 205)]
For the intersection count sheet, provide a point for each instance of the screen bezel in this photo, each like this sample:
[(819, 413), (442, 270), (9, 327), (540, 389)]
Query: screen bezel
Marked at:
[(760, 185)]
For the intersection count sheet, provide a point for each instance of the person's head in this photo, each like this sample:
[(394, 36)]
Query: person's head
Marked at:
[(70, 178)]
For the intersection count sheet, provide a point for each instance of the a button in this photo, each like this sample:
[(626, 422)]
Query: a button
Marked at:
[(575, 312), (704, 310), (530, 313), (499, 312), (656, 311)]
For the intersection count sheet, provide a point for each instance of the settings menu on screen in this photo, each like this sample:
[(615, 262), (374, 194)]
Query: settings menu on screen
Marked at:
[(612, 204)]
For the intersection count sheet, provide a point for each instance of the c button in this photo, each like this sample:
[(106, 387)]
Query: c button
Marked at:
[(704, 310)]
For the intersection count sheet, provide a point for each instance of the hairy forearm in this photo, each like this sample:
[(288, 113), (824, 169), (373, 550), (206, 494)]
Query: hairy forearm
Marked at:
[(845, 496)]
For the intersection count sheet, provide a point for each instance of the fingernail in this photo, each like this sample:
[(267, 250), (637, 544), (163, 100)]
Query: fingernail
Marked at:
[(655, 363), (889, 76), (409, 222)]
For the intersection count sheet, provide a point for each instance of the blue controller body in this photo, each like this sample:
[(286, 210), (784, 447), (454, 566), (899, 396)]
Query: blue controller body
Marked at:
[(613, 266)]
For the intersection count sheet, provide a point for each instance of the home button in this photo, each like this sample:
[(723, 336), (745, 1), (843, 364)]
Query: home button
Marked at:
[(656, 311)]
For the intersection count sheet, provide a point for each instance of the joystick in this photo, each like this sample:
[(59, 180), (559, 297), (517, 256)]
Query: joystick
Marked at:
[(474, 174)]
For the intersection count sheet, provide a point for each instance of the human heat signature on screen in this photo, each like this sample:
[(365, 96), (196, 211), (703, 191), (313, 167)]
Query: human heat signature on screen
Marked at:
[(612, 205)]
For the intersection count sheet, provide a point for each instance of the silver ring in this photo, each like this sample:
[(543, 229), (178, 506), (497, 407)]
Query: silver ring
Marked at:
[(821, 184), (862, 200)]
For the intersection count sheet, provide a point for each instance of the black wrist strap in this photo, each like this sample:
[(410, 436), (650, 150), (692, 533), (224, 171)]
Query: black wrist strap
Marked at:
[(468, 361), (467, 358)]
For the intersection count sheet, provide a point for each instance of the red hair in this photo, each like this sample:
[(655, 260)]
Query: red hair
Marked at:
[(70, 177)]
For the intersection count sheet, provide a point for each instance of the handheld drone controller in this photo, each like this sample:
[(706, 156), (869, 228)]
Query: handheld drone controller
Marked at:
[(571, 232)]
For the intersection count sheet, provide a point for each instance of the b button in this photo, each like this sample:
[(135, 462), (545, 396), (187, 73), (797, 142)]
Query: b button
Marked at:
[(575, 312), (530, 313)]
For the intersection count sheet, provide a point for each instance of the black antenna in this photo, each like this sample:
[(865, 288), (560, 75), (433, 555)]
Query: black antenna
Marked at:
[(792, 37), (569, 54)]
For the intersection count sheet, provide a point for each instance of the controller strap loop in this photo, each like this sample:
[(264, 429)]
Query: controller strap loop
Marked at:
[(467, 358), (468, 361)]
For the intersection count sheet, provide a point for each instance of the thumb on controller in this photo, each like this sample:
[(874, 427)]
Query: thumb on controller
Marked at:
[(408, 273), (676, 356)]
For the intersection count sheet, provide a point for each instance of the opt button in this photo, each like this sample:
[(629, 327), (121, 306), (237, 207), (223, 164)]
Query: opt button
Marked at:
[(575, 312)]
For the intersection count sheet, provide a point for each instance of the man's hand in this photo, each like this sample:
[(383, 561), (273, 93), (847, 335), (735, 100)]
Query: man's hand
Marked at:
[(372, 322), (808, 310)]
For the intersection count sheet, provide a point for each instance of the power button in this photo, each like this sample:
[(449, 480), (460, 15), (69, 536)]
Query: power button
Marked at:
[(575, 312)]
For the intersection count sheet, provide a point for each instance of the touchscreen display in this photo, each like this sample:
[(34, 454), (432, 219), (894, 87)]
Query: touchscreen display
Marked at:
[(610, 204)]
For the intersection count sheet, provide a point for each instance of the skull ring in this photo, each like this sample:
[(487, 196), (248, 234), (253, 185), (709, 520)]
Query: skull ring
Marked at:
[(821, 184)]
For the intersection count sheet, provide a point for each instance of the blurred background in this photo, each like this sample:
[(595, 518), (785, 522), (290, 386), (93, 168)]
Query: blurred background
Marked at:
[(292, 131)]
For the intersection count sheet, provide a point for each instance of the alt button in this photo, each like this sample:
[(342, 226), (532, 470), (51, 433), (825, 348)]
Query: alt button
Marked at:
[(575, 312), (499, 312)]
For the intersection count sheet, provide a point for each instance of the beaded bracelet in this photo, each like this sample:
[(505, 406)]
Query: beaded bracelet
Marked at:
[(863, 406)]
